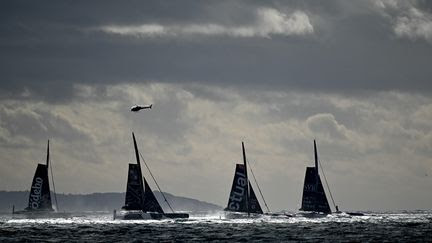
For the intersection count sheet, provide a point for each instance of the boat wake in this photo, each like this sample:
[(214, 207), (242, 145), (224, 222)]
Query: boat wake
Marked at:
[(396, 226), (218, 218)]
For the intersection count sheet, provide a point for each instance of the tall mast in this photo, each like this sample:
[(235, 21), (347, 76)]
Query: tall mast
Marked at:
[(47, 159), (139, 165), (52, 176), (316, 168), (316, 157), (247, 180)]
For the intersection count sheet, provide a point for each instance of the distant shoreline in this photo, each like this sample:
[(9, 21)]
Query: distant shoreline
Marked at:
[(102, 202)]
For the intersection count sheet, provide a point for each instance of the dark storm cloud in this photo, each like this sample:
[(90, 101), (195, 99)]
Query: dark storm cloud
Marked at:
[(48, 46)]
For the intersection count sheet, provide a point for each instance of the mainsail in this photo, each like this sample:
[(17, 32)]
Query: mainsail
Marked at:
[(238, 200), (134, 191), (314, 197), (40, 196), (139, 195)]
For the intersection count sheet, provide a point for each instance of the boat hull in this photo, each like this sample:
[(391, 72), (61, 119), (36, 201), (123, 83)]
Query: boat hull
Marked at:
[(140, 215), (281, 215), (40, 215), (311, 214), (241, 215), (349, 213), (355, 214)]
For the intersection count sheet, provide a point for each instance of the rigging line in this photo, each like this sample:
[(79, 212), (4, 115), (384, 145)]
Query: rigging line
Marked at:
[(325, 179), (163, 195), (259, 189), (55, 194)]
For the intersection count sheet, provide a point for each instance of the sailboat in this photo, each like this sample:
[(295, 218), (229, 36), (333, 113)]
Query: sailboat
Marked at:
[(314, 200), (242, 201), (40, 205), (140, 201)]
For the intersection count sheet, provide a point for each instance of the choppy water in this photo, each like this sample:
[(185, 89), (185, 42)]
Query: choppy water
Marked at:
[(379, 227)]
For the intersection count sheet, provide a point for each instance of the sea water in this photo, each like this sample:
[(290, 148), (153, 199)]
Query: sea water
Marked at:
[(414, 226)]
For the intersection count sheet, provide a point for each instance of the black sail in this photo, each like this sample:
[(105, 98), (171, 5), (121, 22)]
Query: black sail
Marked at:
[(314, 198), (134, 190), (237, 200), (40, 197), (139, 195), (150, 202), (254, 206)]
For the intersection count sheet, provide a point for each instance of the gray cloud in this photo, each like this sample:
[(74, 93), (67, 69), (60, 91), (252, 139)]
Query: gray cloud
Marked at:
[(409, 20), (268, 22), (352, 47), (416, 25)]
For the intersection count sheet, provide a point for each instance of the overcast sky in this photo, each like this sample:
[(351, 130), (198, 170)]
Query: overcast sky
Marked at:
[(355, 75)]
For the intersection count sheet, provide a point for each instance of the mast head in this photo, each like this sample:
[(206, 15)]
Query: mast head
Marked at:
[(244, 155), (136, 152)]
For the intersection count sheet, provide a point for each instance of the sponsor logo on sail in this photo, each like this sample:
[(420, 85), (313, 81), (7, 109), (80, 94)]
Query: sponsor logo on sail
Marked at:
[(238, 192), (310, 187), (36, 191)]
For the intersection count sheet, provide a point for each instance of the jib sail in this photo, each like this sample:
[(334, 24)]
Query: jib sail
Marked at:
[(254, 206), (150, 202)]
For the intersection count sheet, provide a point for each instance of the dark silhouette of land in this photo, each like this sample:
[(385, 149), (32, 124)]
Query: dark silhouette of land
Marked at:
[(103, 202)]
